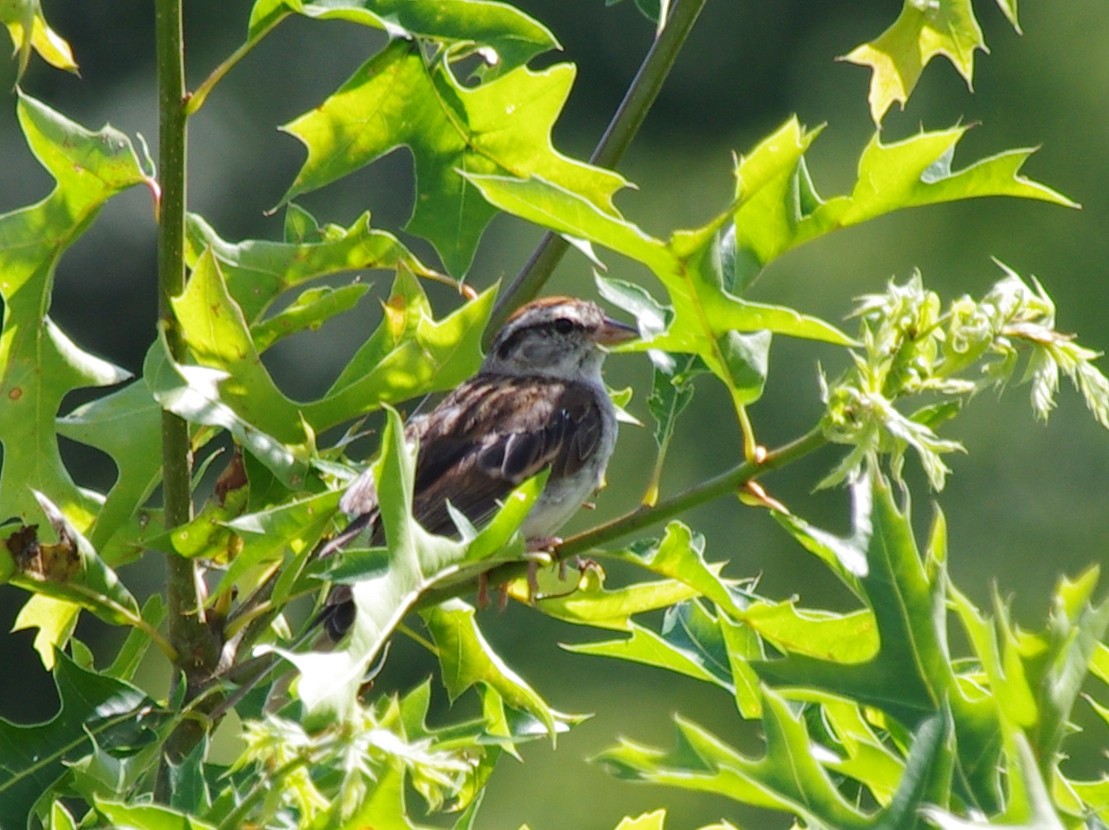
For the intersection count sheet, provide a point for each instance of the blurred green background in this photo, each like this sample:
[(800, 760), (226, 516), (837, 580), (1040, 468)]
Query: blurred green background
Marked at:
[(1028, 503)]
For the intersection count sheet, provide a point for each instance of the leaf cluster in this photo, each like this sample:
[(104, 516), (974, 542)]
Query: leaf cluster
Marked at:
[(871, 717)]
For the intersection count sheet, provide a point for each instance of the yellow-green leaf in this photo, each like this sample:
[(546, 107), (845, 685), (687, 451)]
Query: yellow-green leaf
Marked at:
[(923, 30)]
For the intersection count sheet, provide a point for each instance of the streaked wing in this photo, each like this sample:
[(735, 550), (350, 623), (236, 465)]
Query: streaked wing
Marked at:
[(540, 422)]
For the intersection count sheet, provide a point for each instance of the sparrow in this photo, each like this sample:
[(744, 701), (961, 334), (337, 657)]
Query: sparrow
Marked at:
[(538, 401)]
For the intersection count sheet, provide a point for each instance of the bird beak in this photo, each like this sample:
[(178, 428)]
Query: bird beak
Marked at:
[(613, 333)]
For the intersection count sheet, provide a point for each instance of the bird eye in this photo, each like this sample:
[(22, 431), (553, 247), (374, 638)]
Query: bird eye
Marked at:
[(564, 325)]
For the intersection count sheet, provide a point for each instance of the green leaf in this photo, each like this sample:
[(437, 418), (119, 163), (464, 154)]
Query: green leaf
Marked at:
[(193, 392), (846, 557), (777, 207), (590, 603), (187, 785), (745, 356), (70, 570), (384, 808), (650, 649), (1001, 662), (102, 773), (258, 271), (60, 818), (672, 380), (467, 658), (648, 821), (134, 648), (387, 588), (39, 364), (1009, 9), (217, 336), (29, 30), (680, 555), (911, 675), (787, 777), (671, 393), (55, 620), (844, 638), (1029, 803), (148, 817), (127, 426), (269, 535), (308, 312), (703, 313), (410, 353), (93, 707), (927, 775), (1075, 629), (907, 609), (922, 31), (499, 127), (514, 36)]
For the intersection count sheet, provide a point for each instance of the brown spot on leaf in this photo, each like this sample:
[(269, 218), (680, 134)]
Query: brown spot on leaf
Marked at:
[(58, 562), (232, 478), (15, 393)]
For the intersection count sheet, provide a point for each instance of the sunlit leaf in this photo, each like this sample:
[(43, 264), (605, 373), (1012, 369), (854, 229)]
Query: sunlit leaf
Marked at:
[(704, 317), (218, 337), (648, 821), (467, 658), (39, 364), (680, 555), (905, 607), (1000, 660), (193, 392), (258, 271), (844, 638), (1075, 629), (410, 353), (502, 127), (29, 30), (788, 776), (69, 569), (921, 32), (268, 535), (912, 673), (514, 36), (387, 587), (651, 649), (309, 311), (148, 816), (53, 620), (778, 208), (588, 602)]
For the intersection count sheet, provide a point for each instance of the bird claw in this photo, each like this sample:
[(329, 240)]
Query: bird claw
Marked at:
[(542, 544), (483, 590)]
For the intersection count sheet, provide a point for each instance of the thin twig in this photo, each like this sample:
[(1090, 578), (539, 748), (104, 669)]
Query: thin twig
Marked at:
[(200, 95), (643, 516), (610, 149)]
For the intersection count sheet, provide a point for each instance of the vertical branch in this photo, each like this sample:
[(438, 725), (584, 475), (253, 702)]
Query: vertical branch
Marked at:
[(187, 632), (610, 149)]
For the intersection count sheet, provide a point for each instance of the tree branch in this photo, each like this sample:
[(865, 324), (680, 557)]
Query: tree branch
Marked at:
[(621, 130), (643, 516), (190, 637)]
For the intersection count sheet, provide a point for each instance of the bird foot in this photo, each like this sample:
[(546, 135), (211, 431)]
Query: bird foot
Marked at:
[(542, 544)]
